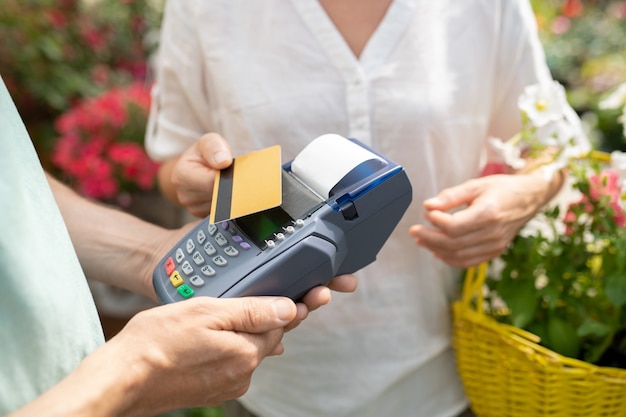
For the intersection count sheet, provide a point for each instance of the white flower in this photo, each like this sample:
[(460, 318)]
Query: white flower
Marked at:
[(550, 123), (618, 164), (509, 153), (616, 100), (556, 133), (543, 102)]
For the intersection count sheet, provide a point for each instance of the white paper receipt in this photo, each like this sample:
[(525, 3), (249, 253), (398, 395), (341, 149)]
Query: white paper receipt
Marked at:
[(326, 160)]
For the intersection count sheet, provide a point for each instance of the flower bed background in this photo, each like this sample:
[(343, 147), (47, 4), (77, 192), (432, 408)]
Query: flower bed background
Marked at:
[(584, 44), (100, 148), (59, 58), (54, 53)]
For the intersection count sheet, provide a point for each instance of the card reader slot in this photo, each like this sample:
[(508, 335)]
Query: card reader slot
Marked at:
[(299, 201)]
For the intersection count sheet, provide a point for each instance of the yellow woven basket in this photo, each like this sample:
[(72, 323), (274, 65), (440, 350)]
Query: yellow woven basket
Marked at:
[(507, 374)]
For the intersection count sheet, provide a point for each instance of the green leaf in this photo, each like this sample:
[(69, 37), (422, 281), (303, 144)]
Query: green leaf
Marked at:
[(563, 338), (620, 255), (552, 295), (539, 329), (522, 299), (592, 327), (615, 287)]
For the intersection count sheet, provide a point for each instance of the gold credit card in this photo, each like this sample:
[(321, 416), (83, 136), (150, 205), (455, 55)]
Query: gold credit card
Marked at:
[(252, 183)]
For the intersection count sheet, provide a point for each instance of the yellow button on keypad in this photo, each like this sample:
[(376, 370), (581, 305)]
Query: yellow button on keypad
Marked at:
[(176, 279)]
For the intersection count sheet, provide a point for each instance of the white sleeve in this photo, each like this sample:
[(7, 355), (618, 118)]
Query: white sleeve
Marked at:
[(180, 106), (521, 62)]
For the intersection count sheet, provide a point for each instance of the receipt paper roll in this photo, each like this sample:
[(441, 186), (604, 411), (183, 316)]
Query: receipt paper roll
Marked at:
[(326, 160)]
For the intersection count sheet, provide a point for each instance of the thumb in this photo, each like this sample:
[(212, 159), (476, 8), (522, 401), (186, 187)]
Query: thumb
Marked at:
[(254, 314), (215, 151)]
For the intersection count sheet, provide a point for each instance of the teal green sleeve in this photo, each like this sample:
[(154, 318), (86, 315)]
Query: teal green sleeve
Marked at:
[(48, 321)]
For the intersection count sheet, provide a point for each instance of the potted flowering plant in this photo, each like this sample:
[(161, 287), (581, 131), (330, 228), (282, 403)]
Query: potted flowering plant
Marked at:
[(100, 148), (539, 331), (563, 278)]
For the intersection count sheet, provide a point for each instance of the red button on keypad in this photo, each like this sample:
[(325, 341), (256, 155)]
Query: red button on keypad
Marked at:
[(169, 266)]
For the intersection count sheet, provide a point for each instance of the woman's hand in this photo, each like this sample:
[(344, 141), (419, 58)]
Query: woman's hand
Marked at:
[(475, 221), (188, 179)]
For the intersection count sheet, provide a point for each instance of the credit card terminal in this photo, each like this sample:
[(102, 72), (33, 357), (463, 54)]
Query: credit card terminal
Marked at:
[(340, 202)]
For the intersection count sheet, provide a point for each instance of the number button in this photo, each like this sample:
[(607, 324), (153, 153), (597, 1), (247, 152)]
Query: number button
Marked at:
[(197, 258), (212, 229), (207, 271), (220, 261), (231, 251), (187, 268), (180, 255), (221, 240), (209, 249), (201, 237), (197, 281), (190, 246)]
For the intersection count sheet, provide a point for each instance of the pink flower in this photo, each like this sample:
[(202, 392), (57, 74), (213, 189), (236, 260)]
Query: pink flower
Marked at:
[(605, 184), (561, 25)]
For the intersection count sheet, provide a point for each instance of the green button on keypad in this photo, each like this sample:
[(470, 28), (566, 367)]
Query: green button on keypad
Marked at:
[(185, 290)]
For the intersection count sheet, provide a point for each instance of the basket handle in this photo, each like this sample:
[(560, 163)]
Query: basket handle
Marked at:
[(472, 286)]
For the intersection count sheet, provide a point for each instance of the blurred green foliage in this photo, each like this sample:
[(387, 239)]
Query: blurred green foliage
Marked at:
[(584, 44)]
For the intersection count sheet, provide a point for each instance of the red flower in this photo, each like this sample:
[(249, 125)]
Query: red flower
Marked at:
[(57, 19), (93, 37), (100, 147), (573, 8)]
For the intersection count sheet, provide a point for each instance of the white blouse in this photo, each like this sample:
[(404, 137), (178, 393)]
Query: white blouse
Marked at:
[(435, 80)]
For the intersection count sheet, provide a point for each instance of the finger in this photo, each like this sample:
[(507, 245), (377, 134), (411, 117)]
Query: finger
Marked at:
[(442, 243), (303, 312), (193, 180), (461, 252), (196, 200), (472, 256), (200, 210), (344, 283), (475, 217), (278, 350), (316, 297), (453, 197), (267, 344), (215, 150), (249, 314)]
